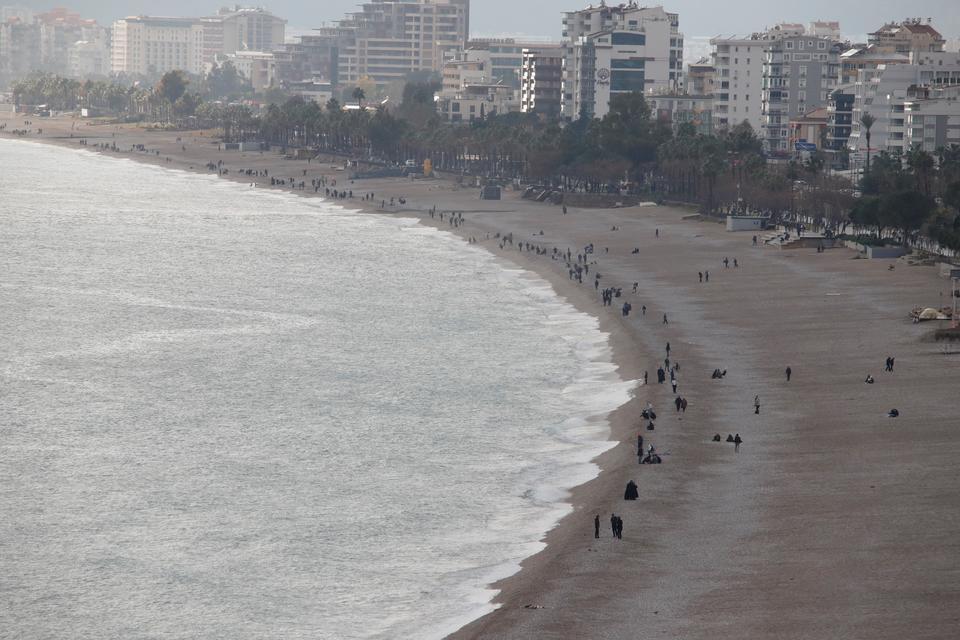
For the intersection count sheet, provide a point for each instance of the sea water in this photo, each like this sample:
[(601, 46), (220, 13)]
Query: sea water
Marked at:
[(234, 413)]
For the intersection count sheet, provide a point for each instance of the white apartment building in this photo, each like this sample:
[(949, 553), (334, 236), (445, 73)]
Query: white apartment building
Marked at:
[(87, 58), (259, 67), (884, 93), (152, 45), (471, 67), (738, 81), (932, 119), (505, 56), (478, 101), (389, 39), (620, 49), (241, 29)]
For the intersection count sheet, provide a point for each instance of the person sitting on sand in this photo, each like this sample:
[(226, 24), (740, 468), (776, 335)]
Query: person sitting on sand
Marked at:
[(631, 492), (893, 413), (717, 438), (869, 379)]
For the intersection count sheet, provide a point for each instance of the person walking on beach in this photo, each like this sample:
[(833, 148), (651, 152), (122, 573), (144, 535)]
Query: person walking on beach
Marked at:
[(789, 373), (665, 319), (613, 524), (700, 274), (737, 441), (596, 526), (619, 528), (756, 405), (645, 376)]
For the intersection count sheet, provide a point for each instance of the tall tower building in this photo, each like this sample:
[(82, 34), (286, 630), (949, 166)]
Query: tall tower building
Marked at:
[(618, 49)]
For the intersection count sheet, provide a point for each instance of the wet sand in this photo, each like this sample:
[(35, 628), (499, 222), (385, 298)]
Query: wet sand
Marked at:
[(832, 520)]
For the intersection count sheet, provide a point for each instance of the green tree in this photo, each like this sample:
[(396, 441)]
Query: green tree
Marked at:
[(906, 211), (224, 81), (172, 86), (922, 165)]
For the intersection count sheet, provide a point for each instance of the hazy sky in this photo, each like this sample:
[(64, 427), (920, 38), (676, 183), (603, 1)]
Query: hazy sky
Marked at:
[(542, 17)]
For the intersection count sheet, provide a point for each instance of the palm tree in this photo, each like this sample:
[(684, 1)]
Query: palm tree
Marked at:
[(922, 164), (866, 121), (359, 95)]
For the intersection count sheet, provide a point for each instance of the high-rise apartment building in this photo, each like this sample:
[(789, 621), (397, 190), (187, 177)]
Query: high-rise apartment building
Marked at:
[(931, 118), (840, 118), (389, 39), (738, 81), (241, 29), (146, 45), (800, 71), (884, 92), (19, 49), (541, 81), (46, 41), (618, 49), (59, 30)]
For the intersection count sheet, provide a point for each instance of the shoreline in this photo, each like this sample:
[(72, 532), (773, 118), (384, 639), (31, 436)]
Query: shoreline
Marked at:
[(814, 526), (617, 340)]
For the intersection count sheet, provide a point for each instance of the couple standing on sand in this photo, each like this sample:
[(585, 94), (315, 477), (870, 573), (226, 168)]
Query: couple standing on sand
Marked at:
[(616, 525)]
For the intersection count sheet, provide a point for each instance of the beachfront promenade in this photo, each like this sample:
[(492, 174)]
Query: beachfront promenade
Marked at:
[(831, 521)]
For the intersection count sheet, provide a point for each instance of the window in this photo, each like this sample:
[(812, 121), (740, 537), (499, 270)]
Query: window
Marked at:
[(627, 64), (821, 45), (800, 45), (629, 38), (789, 45), (621, 80)]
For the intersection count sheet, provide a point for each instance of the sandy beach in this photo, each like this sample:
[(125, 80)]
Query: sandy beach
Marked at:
[(832, 520)]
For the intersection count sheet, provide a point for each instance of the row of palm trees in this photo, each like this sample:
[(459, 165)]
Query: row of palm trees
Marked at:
[(164, 101)]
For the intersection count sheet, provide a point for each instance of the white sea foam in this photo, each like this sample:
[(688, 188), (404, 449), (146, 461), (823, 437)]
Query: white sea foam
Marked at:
[(244, 414)]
